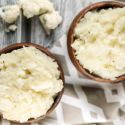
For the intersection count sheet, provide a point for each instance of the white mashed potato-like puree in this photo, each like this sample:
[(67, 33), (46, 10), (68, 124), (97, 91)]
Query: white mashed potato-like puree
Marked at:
[(29, 81), (100, 42)]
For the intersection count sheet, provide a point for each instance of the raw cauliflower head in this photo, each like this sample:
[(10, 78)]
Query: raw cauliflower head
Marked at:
[(10, 13), (35, 7), (50, 20)]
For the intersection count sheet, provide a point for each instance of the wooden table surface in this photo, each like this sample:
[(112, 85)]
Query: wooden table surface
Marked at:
[(30, 30)]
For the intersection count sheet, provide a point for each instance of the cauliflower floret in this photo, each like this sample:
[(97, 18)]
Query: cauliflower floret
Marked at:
[(35, 7), (50, 20), (12, 28), (10, 13), (30, 9), (49, 17), (45, 6)]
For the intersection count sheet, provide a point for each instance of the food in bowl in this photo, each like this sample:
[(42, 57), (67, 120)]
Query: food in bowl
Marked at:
[(99, 42), (29, 82)]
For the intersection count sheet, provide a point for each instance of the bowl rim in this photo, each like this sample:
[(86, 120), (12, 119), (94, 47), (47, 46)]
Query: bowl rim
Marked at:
[(48, 53), (70, 39)]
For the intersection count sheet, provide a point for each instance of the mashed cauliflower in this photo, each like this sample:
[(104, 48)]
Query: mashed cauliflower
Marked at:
[(100, 42), (29, 81)]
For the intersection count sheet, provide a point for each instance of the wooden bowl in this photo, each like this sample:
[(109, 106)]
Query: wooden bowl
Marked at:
[(70, 39), (44, 50)]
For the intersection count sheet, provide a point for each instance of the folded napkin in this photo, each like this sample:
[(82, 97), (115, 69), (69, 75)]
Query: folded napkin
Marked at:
[(84, 100)]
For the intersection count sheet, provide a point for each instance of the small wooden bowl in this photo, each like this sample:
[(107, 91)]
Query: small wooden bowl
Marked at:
[(70, 39), (44, 50)]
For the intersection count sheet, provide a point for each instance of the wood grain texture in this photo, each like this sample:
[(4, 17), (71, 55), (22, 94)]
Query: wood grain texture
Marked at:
[(9, 38), (31, 30)]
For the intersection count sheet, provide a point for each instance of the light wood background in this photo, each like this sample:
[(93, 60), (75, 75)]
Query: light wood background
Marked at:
[(30, 30)]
